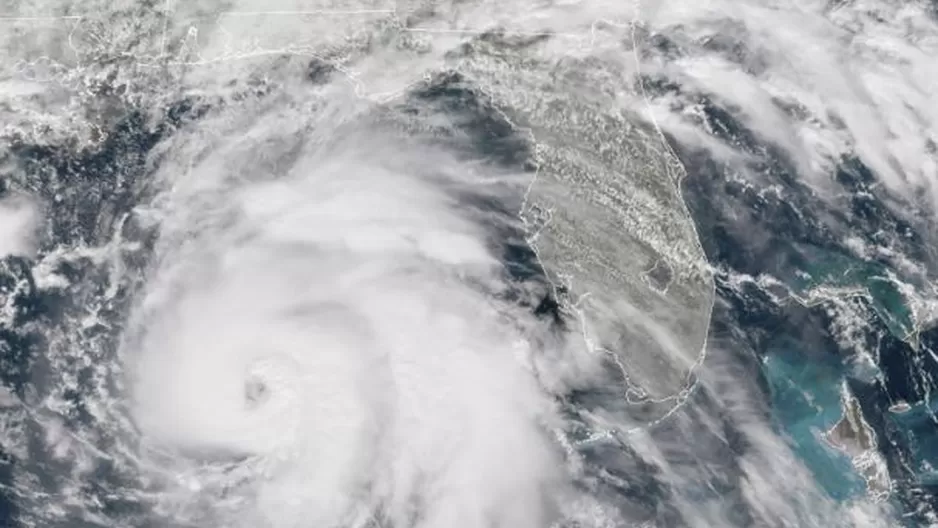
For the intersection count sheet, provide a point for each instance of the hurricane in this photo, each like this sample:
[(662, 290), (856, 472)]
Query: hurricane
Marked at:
[(454, 264), (342, 336)]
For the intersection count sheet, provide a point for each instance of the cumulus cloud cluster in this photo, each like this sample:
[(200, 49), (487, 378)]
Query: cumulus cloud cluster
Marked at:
[(817, 80), (17, 222)]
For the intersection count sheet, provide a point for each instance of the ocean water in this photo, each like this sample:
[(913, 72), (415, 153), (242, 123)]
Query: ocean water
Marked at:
[(518, 264)]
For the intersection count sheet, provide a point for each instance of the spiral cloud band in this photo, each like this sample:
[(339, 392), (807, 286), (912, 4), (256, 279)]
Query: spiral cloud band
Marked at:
[(337, 330), (375, 265)]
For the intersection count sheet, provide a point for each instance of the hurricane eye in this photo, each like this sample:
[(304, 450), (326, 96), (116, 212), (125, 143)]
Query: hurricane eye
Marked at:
[(255, 392)]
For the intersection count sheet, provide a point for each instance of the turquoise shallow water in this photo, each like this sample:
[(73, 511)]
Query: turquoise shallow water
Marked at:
[(838, 270), (807, 403), (806, 393)]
